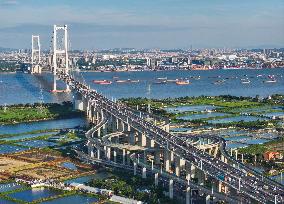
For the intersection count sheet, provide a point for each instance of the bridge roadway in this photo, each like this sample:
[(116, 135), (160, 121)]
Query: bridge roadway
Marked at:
[(163, 175), (251, 186), (224, 152)]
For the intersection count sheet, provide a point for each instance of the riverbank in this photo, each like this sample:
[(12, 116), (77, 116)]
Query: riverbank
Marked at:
[(22, 113)]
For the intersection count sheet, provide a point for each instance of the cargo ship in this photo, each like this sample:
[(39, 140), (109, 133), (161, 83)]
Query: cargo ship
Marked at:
[(103, 82), (182, 82)]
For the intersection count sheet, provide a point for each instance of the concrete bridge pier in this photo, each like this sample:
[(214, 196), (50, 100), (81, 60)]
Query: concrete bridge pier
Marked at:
[(157, 158), (171, 189), (98, 153), (90, 149), (144, 173), (156, 179), (177, 166), (142, 139), (108, 153), (188, 195), (150, 143), (132, 137), (166, 160), (134, 168), (123, 156), (128, 157), (77, 101), (207, 199), (200, 176), (115, 155)]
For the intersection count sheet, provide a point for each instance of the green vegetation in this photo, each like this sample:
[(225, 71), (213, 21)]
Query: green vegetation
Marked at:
[(259, 149), (36, 112), (125, 184), (231, 105)]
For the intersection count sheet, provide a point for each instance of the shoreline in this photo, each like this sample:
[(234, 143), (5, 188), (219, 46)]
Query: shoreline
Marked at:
[(145, 70)]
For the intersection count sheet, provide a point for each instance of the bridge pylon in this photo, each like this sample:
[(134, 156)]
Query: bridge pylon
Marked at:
[(60, 60), (35, 62)]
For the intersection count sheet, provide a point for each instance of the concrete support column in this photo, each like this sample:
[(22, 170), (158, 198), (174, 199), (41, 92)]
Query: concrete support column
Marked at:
[(193, 171), (113, 124), (142, 139), (167, 160), (215, 152), (167, 128), (104, 130), (172, 157), (135, 168), (132, 138), (171, 189), (150, 143), (145, 156), (156, 179), (157, 157), (128, 157), (208, 199), (108, 153), (188, 195), (242, 158), (98, 153), (92, 152), (90, 149), (236, 154), (123, 156), (99, 132), (177, 166), (144, 173), (182, 164), (114, 155)]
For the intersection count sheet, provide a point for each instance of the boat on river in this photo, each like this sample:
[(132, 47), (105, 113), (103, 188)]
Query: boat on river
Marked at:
[(245, 81), (182, 82), (270, 81), (102, 82)]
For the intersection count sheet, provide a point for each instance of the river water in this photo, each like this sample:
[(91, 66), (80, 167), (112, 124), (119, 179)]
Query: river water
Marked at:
[(25, 88)]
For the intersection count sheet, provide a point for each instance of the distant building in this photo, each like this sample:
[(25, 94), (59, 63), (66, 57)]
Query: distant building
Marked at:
[(272, 155)]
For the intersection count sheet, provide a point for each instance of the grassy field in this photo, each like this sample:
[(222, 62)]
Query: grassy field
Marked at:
[(36, 112)]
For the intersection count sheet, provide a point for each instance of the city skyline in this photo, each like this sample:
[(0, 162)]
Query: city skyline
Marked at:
[(145, 24)]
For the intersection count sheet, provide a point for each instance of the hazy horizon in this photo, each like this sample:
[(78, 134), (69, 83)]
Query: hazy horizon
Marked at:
[(164, 24)]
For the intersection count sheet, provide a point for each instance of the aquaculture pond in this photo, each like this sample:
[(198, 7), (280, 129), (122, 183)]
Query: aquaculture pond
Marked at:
[(180, 109), (34, 194), (3, 201), (274, 114), (181, 129), (201, 116), (84, 179), (236, 138), (28, 136), (43, 125), (278, 178), (37, 143), (7, 149), (257, 109), (69, 165), (4, 187), (244, 118), (256, 141), (235, 145), (74, 199)]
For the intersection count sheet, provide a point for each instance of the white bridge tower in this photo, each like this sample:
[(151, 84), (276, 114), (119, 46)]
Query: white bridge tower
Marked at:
[(36, 68), (60, 62)]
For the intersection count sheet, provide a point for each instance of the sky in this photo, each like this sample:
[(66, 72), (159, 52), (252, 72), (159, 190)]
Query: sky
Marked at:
[(103, 24)]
